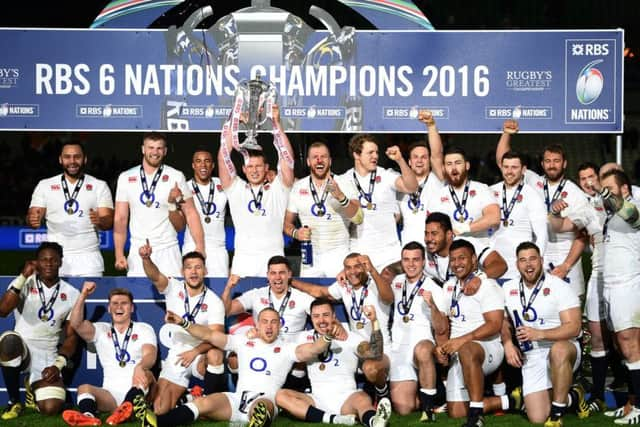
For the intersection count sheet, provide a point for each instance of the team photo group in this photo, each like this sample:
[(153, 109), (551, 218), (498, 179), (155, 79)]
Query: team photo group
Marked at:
[(460, 297)]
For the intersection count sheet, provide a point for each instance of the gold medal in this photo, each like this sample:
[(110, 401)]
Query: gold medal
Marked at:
[(359, 325), (369, 206), (415, 210), (44, 317), (405, 319), (70, 211), (257, 212), (122, 363), (526, 316), (461, 219), (320, 212), (505, 222), (322, 367), (452, 312), (207, 220), (148, 203)]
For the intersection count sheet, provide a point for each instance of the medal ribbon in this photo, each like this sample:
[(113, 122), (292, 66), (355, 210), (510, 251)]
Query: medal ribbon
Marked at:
[(506, 211), (204, 206), (415, 197), (319, 203), (283, 304), (47, 305), (527, 305), (556, 194), (406, 304), (76, 190), (372, 182), (191, 314), (455, 296), (460, 207), (257, 199), (120, 352), (143, 180), (358, 306)]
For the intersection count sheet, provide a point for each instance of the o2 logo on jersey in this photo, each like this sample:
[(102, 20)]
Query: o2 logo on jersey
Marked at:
[(590, 83), (258, 364)]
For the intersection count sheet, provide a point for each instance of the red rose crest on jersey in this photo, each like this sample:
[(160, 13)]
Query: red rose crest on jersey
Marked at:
[(539, 184), (250, 344), (563, 195), (432, 264), (378, 178), (520, 198), (264, 301), (276, 350), (55, 187), (397, 285), (219, 187), (472, 193), (181, 295), (165, 178), (292, 304), (34, 291), (304, 192), (310, 338), (546, 291), (421, 292), (133, 178), (63, 296), (496, 194), (89, 187), (134, 337), (203, 308), (266, 187), (108, 334), (449, 288), (513, 292), (444, 199)]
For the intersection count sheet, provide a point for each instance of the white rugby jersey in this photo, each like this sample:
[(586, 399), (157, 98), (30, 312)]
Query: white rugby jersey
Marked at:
[(479, 197), (262, 367), (527, 222), (214, 234), (554, 296), (467, 314), (150, 222), (329, 230), (258, 229), (141, 334), (74, 231), (336, 366), (418, 317), (210, 310), (354, 301), (378, 229), (414, 214), (29, 312), (293, 316)]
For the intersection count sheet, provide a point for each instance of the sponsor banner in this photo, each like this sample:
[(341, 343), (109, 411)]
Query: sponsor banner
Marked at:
[(375, 81)]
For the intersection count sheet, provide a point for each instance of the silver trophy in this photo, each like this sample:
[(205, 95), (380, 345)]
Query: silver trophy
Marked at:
[(257, 98)]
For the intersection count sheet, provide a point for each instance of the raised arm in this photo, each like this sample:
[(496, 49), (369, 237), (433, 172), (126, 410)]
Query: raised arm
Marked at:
[(152, 272), (436, 156), (316, 291), (374, 348), (11, 298), (494, 265), (407, 181), (509, 127), (309, 351), (226, 170), (284, 149), (174, 201), (231, 307), (383, 285), (195, 226), (83, 328)]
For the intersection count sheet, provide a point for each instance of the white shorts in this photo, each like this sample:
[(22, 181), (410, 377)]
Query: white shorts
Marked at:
[(178, 374), (623, 306), (118, 388), (242, 401), (575, 275), (168, 261), (594, 304), (493, 355), (326, 264), (331, 401), (252, 265), (41, 357), (86, 264), (217, 259), (402, 366), (536, 372)]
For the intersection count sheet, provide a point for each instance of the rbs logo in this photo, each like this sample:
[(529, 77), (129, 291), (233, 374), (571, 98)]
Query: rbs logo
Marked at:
[(590, 49)]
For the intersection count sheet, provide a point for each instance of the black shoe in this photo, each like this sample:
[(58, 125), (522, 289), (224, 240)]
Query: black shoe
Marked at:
[(474, 422)]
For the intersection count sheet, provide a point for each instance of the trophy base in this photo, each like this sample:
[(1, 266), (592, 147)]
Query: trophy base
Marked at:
[(254, 146)]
